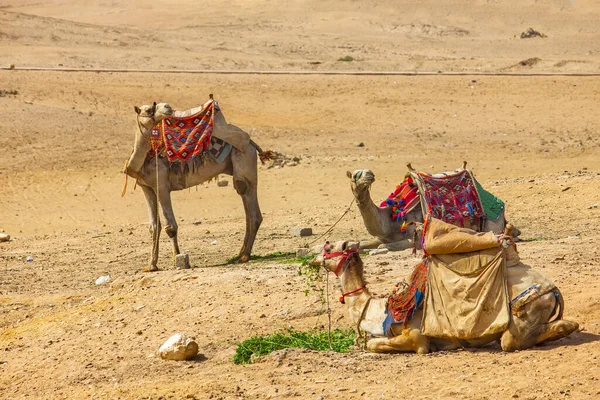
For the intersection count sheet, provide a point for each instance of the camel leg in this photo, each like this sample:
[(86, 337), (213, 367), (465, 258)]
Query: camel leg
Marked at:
[(171, 228), (154, 226), (409, 340), (557, 330), (245, 182), (532, 327), (369, 244), (247, 191)]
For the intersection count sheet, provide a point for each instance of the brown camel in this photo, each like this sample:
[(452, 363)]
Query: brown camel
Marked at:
[(239, 164), (378, 220), (530, 327)]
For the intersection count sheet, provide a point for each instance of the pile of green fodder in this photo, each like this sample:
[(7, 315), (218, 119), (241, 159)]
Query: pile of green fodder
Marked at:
[(257, 346)]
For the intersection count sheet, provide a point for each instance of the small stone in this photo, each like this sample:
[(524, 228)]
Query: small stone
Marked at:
[(103, 280), (214, 242), (182, 261), (262, 316), (179, 347), (302, 252), (301, 231), (565, 189), (4, 237), (589, 208), (29, 258), (361, 144), (378, 251), (197, 222), (222, 183)]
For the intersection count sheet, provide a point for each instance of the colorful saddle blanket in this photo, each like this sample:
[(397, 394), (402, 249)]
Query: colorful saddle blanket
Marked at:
[(402, 305), (403, 200), (183, 138), (451, 198)]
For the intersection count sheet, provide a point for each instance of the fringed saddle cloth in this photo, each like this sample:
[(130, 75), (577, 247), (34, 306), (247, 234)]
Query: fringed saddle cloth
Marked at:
[(403, 200), (402, 304), (188, 134), (452, 198)]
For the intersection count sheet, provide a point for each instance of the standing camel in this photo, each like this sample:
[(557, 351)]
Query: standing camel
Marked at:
[(157, 185)]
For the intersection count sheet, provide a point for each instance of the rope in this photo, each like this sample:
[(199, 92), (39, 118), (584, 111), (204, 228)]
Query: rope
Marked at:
[(274, 72), (336, 222), (360, 319), (156, 234), (328, 309)]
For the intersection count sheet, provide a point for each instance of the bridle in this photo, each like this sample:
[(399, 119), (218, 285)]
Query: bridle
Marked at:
[(346, 254)]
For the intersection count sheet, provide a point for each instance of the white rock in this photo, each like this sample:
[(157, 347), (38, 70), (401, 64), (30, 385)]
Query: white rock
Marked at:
[(178, 347), (4, 237), (378, 251), (213, 242), (103, 280)]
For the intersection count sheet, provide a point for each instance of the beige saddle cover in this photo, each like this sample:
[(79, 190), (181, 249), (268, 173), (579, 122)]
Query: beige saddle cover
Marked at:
[(466, 295)]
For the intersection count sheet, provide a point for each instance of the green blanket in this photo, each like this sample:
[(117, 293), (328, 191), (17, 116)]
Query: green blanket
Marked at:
[(492, 205)]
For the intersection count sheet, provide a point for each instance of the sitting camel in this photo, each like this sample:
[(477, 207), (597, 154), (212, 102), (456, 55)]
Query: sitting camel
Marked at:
[(158, 185), (530, 327), (378, 220)]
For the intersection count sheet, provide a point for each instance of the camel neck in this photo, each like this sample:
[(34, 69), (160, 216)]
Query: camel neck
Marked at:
[(363, 198), (357, 300)]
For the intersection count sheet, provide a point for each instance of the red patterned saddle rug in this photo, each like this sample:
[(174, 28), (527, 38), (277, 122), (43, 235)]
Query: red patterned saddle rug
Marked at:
[(183, 138), (452, 198)]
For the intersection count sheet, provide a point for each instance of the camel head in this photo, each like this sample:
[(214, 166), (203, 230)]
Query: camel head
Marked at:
[(339, 258), (360, 182), (147, 117)]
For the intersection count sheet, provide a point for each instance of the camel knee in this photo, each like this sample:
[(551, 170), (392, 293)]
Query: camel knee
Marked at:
[(171, 230), (154, 227), (241, 186), (508, 342)]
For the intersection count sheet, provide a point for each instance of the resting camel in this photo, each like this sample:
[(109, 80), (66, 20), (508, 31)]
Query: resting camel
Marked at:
[(531, 327), (239, 164), (378, 220)]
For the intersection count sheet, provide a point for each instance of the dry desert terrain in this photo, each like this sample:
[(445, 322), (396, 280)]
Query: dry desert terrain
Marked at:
[(532, 140)]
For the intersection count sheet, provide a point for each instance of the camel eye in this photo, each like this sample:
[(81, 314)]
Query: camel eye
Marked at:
[(357, 176)]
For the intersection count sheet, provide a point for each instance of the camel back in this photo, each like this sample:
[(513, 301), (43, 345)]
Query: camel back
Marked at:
[(202, 130), (451, 197), (454, 197)]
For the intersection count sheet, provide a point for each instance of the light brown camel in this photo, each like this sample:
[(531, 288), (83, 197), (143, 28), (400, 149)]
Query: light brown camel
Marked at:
[(378, 220), (531, 327), (240, 164)]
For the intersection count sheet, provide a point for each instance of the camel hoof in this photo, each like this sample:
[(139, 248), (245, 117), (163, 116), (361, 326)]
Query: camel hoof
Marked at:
[(244, 259), (151, 268)]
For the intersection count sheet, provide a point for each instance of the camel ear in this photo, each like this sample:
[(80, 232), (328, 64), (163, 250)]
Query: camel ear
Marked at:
[(349, 174), (137, 110)]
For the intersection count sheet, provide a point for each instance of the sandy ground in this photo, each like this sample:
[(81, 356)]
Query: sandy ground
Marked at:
[(533, 141)]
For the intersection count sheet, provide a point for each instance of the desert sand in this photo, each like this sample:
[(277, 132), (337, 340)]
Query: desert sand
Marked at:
[(532, 140)]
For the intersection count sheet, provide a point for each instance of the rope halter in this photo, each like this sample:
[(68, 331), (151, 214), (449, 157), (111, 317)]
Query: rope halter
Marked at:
[(344, 254), (343, 261)]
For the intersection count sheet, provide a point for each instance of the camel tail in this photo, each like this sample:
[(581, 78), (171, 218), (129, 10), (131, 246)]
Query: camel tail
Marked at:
[(263, 155)]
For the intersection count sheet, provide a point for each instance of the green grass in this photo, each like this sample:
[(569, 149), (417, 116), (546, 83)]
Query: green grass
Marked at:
[(257, 346), (283, 257), (346, 59)]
